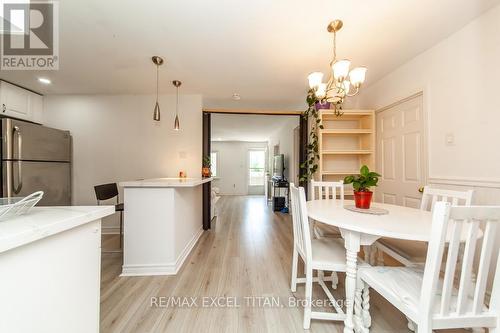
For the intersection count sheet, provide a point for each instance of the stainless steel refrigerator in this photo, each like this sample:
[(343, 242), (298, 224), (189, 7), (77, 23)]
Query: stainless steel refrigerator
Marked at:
[(36, 158)]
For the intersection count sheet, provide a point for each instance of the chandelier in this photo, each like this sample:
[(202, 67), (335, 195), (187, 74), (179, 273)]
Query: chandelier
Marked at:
[(342, 83)]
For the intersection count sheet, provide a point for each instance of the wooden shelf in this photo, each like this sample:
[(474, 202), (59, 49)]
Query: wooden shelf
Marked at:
[(354, 115), (346, 152), (340, 173), (346, 143), (342, 131)]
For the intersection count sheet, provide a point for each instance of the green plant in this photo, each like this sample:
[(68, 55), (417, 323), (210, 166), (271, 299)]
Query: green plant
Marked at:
[(310, 165), (207, 163), (363, 181)]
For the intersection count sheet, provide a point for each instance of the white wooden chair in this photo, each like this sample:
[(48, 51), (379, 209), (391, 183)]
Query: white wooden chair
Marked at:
[(428, 300), (327, 191), (317, 254), (429, 198)]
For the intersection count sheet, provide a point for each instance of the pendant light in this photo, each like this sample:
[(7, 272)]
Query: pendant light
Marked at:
[(177, 84), (158, 61)]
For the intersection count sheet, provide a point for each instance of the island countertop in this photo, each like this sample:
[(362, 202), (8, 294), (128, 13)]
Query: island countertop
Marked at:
[(166, 182), (42, 222)]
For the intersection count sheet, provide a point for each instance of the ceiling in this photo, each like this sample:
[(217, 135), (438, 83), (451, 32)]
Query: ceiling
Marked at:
[(252, 128), (261, 49)]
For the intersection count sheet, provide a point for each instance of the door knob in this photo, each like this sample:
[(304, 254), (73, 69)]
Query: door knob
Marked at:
[(421, 189)]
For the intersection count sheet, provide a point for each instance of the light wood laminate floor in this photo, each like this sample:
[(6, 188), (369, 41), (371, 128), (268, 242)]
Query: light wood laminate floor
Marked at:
[(246, 254)]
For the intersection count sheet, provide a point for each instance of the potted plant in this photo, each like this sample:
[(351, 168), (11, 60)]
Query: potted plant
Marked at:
[(205, 171), (361, 184)]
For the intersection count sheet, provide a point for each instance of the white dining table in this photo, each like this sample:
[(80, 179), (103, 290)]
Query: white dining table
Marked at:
[(359, 229)]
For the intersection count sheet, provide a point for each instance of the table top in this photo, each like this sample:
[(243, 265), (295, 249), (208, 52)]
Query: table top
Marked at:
[(401, 222)]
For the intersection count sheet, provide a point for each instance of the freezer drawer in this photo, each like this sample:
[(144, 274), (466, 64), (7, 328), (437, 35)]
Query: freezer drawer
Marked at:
[(53, 178), (32, 142)]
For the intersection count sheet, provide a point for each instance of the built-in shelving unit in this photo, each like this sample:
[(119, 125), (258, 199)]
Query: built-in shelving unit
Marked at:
[(345, 144)]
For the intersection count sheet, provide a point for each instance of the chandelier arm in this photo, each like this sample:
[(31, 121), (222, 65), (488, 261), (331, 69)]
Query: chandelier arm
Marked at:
[(353, 94)]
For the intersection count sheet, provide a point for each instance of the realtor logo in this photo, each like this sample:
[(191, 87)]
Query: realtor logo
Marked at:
[(29, 36)]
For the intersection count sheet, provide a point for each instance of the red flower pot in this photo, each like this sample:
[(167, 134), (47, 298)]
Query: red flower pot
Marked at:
[(363, 199)]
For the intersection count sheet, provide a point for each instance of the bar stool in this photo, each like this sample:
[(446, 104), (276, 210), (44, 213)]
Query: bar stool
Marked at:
[(106, 192)]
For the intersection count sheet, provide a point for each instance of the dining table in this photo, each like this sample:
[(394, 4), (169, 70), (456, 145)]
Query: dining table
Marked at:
[(359, 229)]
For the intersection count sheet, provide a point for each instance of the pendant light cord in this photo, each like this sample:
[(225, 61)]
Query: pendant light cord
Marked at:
[(157, 80), (177, 102), (334, 45)]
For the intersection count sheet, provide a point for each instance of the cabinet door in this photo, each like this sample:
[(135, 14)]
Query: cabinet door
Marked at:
[(36, 108), (15, 101)]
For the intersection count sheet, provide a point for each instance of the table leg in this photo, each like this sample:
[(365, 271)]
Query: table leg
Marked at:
[(352, 246)]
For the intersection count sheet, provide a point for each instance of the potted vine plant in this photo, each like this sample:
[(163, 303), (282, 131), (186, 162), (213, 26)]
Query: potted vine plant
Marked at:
[(205, 171), (361, 184)]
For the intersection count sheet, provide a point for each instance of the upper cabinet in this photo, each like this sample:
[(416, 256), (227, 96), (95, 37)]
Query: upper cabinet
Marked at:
[(20, 103)]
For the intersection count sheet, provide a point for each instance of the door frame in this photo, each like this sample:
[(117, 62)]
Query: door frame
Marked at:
[(425, 122), (206, 146)]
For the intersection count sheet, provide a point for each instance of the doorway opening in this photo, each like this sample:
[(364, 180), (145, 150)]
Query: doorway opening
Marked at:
[(242, 147)]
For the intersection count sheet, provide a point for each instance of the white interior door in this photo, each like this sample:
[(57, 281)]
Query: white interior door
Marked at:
[(401, 153)]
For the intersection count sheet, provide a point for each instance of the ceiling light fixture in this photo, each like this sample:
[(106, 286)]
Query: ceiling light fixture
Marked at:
[(158, 61), (341, 79), (177, 84), (236, 97), (44, 80)]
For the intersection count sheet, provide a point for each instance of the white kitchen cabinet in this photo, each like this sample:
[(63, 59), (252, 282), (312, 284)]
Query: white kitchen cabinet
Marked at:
[(50, 261), (20, 103)]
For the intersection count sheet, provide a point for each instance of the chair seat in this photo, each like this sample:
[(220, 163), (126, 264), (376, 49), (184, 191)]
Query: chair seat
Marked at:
[(402, 287), (119, 207), (328, 254)]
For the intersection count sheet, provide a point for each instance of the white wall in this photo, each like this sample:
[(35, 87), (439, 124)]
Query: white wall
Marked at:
[(284, 137), (232, 178), (459, 79), (116, 139)]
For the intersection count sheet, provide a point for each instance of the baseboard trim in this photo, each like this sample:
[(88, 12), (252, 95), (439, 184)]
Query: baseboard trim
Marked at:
[(163, 269)]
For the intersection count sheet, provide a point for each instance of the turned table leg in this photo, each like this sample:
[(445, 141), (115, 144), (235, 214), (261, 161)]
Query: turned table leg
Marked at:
[(352, 245)]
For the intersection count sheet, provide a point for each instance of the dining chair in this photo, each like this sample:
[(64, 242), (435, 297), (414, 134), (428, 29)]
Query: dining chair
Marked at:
[(429, 198), (317, 254), (321, 190), (106, 192), (427, 299)]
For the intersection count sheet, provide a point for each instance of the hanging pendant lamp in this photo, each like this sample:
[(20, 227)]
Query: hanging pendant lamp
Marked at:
[(158, 61), (177, 84)]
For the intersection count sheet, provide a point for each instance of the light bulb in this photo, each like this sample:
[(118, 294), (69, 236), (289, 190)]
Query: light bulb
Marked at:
[(315, 79), (357, 76), (341, 69), (321, 91)]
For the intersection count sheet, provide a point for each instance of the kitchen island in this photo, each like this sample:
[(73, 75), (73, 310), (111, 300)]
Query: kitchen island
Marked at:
[(162, 223), (50, 269)]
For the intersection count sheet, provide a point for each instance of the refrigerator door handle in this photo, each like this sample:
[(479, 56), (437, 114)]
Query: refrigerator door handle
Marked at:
[(17, 189)]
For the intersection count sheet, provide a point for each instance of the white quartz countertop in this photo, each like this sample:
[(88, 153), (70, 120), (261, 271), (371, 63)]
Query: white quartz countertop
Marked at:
[(166, 182), (42, 222)]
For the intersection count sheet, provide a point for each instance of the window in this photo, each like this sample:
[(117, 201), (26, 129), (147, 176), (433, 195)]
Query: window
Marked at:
[(213, 163), (256, 167)]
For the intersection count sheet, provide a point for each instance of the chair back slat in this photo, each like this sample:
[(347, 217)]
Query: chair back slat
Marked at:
[(301, 231), (451, 224), (328, 190), (450, 267), (467, 263), (433, 195), (482, 277)]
